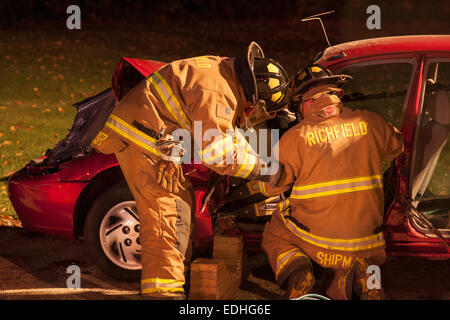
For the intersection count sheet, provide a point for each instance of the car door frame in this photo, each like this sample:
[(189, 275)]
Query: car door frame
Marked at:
[(402, 239)]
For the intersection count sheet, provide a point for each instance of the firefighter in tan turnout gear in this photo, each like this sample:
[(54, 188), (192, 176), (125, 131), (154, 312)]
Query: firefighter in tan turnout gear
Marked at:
[(196, 96), (332, 164)]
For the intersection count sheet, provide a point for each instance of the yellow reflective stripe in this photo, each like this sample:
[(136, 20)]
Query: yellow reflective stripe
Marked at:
[(337, 187), (251, 166), (214, 146), (281, 261), (339, 191), (215, 156), (248, 164), (244, 164), (262, 188), (337, 182), (374, 241), (169, 89), (131, 128), (159, 280), (283, 205), (160, 84), (172, 290), (161, 285), (129, 135)]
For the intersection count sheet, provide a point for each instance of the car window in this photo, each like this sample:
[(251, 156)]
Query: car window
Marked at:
[(381, 88), (430, 178)]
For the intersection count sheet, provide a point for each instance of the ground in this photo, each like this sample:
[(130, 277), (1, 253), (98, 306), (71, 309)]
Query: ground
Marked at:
[(39, 262)]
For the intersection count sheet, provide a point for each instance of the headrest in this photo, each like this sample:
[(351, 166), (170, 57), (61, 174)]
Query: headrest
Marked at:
[(441, 111)]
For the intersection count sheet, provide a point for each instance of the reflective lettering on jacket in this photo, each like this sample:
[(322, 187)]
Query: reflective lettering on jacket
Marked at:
[(344, 130), (335, 259)]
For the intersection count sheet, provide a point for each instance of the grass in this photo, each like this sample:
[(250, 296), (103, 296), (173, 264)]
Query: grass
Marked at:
[(43, 72)]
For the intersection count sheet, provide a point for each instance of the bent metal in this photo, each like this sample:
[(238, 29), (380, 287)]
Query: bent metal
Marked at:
[(222, 148)]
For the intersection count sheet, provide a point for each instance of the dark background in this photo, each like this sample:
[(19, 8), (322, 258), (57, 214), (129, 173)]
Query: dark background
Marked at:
[(195, 27)]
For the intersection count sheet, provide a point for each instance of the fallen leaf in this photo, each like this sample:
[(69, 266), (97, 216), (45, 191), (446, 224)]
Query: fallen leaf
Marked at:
[(12, 128), (19, 154), (7, 143), (60, 109), (35, 89), (46, 110)]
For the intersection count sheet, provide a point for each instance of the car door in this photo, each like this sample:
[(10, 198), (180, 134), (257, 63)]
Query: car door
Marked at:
[(429, 187), (391, 87)]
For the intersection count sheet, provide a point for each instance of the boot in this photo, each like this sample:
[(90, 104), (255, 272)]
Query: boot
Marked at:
[(360, 282), (300, 282)]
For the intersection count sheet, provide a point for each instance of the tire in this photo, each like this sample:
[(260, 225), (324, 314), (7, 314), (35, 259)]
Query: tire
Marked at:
[(112, 234)]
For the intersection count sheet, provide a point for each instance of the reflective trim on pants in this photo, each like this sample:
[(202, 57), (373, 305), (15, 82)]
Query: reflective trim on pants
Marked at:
[(285, 257), (161, 285), (359, 244)]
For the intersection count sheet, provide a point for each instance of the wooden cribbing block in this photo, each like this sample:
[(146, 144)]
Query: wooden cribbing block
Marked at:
[(228, 246), (230, 249), (210, 279)]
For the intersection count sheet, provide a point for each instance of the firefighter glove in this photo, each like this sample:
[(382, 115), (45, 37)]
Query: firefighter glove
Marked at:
[(170, 176)]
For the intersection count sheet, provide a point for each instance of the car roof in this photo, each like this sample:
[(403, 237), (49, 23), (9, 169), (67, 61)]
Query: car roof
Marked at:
[(386, 45)]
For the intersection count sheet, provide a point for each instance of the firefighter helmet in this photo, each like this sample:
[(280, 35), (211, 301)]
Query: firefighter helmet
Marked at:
[(270, 80), (309, 77)]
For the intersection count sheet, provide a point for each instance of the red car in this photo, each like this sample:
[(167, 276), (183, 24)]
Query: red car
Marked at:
[(77, 193)]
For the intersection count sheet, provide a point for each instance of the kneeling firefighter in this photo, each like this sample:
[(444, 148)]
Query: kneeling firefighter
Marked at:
[(200, 95), (332, 165)]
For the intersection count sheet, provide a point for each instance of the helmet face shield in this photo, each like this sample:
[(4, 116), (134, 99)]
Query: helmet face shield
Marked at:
[(254, 51)]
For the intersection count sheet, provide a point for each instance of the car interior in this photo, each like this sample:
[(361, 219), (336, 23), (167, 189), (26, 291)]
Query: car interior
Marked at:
[(430, 179)]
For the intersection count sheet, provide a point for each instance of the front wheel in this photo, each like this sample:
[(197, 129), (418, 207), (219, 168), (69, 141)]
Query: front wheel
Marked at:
[(112, 233)]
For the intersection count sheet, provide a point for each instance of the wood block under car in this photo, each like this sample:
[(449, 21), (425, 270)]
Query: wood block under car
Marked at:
[(211, 279)]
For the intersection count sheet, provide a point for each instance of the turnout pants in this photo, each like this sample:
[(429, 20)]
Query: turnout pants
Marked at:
[(164, 226), (286, 251)]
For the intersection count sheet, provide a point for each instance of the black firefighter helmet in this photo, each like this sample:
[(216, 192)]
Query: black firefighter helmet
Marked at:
[(309, 77), (270, 80)]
